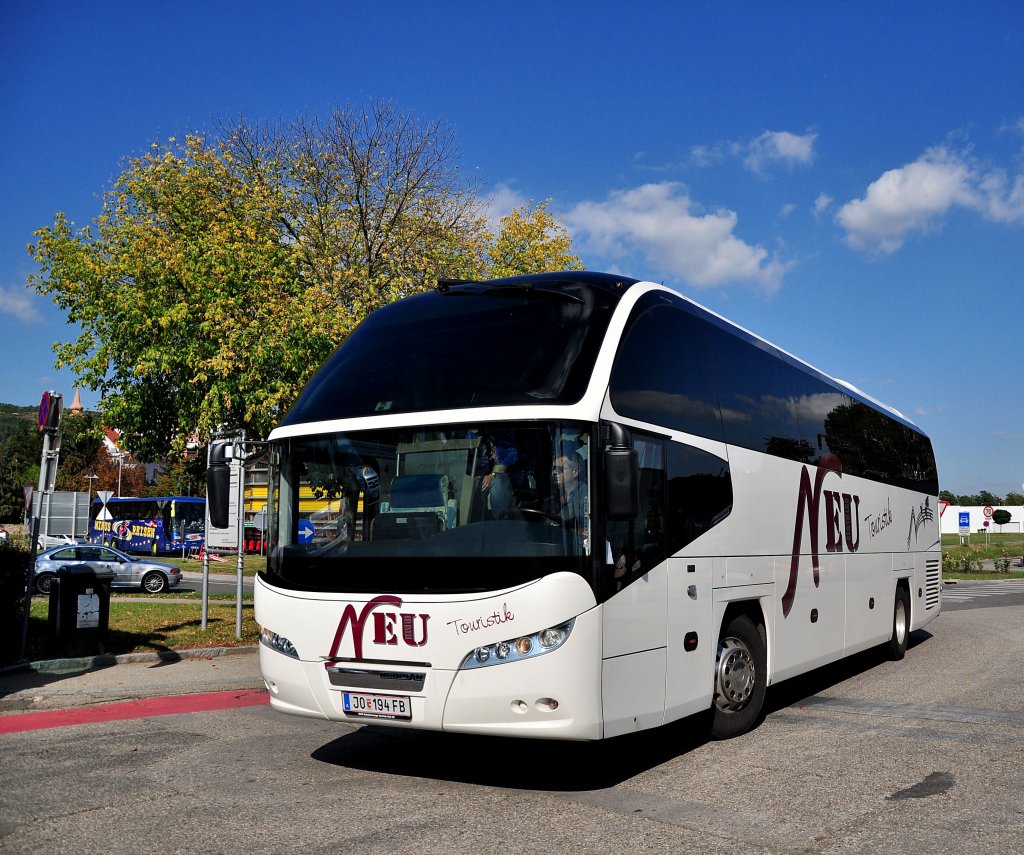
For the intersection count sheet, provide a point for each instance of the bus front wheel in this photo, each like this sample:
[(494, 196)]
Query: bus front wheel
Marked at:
[(741, 678)]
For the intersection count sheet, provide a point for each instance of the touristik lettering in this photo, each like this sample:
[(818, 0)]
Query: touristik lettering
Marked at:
[(877, 523), (496, 618)]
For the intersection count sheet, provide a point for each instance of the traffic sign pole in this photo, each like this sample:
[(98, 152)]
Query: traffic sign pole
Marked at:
[(48, 420)]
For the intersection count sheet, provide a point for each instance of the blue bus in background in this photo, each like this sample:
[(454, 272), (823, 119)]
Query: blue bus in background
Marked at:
[(153, 525)]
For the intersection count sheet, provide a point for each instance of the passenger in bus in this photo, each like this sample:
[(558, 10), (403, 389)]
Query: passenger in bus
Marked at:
[(496, 485)]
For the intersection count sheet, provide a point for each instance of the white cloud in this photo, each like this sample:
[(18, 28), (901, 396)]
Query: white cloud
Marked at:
[(1002, 200), (18, 302), (659, 220), (822, 204), (915, 197), (706, 155), (501, 203), (759, 155), (779, 147)]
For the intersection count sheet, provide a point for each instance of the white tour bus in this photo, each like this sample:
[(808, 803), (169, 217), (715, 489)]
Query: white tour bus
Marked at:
[(577, 505)]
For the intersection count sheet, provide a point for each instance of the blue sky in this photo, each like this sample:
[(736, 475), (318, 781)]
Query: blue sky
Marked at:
[(846, 180)]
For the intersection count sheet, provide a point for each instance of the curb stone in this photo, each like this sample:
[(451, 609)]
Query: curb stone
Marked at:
[(105, 660)]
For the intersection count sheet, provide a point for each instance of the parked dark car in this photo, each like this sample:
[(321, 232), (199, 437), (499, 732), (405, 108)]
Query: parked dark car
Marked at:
[(129, 571)]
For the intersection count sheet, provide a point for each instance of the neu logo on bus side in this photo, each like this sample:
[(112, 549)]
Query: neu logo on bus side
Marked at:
[(809, 498)]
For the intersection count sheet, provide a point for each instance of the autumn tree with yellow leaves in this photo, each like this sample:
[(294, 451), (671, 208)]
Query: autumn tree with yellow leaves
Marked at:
[(224, 269)]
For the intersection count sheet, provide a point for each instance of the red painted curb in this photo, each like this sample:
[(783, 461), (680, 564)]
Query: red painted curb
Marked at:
[(142, 708)]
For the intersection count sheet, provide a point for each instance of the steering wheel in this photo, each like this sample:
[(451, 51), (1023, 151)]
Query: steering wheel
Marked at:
[(534, 515)]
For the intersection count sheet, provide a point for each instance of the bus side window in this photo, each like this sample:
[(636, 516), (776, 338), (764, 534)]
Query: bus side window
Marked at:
[(699, 494), (662, 372), (636, 546)]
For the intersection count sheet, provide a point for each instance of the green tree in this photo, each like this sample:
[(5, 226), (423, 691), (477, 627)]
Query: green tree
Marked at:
[(531, 240), (183, 475), (81, 443), (221, 273), (20, 451), (1014, 499), (186, 270)]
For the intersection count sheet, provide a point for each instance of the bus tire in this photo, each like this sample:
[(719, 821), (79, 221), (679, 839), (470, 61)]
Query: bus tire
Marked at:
[(741, 678), (900, 639), (154, 583)]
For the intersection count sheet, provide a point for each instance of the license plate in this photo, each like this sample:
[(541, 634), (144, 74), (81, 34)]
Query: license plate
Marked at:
[(376, 706)]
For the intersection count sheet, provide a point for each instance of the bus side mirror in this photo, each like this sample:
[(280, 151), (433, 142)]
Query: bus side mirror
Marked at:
[(218, 484), (622, 490)]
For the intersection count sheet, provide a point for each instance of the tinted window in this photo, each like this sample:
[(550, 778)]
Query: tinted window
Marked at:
[(878, 447), (684, 492), (772, 404), (755, 389), (662, 374), (636, 546), (820, 408), (699, 494), (133, 510), (471, 346)]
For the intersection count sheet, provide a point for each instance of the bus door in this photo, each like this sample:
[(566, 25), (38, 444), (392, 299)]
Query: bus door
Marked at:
[(634, 616), (691, 645)]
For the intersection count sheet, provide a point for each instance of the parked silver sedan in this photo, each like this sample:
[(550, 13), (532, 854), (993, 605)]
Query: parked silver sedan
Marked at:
[(129, 572)]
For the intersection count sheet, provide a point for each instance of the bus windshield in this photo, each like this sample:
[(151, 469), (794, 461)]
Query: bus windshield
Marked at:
[(468, 507), (468, 346)]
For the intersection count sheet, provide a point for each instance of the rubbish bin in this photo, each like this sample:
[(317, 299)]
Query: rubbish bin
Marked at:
[(80, 609)]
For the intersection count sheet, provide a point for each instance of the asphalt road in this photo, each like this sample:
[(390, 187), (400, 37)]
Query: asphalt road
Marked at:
[(924, 755), (220, 583)]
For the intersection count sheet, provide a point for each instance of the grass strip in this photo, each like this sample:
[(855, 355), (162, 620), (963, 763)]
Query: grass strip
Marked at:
[(139, 626)]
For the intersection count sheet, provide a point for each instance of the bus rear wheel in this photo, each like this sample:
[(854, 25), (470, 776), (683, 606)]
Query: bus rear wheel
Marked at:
[(741, 678), (900, 639)]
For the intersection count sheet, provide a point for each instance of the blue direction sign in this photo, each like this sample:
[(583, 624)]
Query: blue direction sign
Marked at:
[(965, 522), (305, 531)]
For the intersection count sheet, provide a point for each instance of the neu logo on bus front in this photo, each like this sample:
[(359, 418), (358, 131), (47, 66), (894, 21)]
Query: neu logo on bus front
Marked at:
[(385, 625)]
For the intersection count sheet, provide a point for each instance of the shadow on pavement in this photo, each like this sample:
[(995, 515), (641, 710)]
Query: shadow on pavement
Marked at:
[(510, 763), (555, 766)]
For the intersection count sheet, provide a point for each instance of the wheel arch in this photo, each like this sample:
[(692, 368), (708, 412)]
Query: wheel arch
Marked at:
[(757, 606), (904, 582)]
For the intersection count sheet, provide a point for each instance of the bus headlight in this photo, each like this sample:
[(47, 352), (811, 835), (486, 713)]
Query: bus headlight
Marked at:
[(516, 649), (278, 643)]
